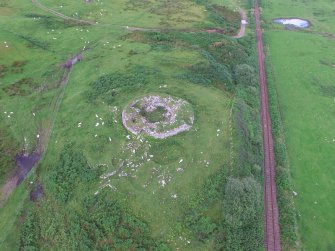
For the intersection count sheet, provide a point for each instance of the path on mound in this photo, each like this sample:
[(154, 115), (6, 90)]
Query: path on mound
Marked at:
[(271, 214)]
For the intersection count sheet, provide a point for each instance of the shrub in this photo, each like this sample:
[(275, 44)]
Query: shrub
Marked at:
[(249, 141), (225, 18), (108, 86), (30, 232), (245, 75), (72, 167), (99, 222), (8, 149), (22, 87), (242, 202), (242, 211), (209, 72)]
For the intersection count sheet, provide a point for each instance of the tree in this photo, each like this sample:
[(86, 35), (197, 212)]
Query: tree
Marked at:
[(242, 210), (243, 201)]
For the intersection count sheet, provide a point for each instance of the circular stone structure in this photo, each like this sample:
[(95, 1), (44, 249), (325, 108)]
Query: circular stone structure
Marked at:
[(158, 116)]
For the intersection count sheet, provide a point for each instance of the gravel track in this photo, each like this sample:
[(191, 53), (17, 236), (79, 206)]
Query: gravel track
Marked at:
[(271, 224)]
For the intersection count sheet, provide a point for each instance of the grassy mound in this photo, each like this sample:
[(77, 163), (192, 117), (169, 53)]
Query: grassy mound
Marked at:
[(159, 116)]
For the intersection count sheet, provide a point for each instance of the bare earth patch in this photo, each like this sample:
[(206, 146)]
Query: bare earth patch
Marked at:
[(158, 116)]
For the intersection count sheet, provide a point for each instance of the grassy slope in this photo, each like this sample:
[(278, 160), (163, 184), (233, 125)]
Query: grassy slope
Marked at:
[(153, 202), (9, 214), (69, 41), (307, 113)]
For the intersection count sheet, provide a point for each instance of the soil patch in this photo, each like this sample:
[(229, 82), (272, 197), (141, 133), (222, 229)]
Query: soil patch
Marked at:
[(24, 164), (36, 193)]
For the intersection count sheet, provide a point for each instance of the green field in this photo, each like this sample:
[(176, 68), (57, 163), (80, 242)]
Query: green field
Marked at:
[(103, 186), (301, 72)]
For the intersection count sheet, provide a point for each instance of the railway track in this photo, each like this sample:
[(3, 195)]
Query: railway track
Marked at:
[(271, 214)]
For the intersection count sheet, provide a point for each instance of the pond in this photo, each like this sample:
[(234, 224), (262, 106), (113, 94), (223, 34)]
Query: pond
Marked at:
[(296, 22)]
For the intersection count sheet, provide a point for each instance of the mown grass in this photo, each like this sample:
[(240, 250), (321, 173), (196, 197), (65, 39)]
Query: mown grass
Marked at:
[(301, 74)]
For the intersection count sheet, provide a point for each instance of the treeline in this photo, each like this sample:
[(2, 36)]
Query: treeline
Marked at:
[(239, 190), (86, 222), (243, 200)]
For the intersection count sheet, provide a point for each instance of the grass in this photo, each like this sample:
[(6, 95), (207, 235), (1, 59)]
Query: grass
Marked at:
[(304, 84), (145, 194), (161, 178), (9, 214), (154, 116)]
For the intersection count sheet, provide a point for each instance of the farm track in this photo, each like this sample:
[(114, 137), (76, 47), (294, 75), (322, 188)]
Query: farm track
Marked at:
[(271, 214), (41, 6), (25, 163)]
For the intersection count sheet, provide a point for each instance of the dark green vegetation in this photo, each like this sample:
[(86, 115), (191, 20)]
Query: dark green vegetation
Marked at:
[(103, 187), (228, 20), (156, 115), (91, 223), (107, 87), (301, 80), (8, 149), (71, 168)]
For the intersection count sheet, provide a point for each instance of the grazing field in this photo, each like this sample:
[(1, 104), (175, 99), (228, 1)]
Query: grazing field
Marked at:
[(301, 71), (63, 86)]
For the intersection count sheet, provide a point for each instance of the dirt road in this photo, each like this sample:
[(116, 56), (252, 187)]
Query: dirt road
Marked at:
[(271, 224), (241, 32)]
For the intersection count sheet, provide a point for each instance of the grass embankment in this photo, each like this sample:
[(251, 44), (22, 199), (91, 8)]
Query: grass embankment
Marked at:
[(300, 73), (166, 191)]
